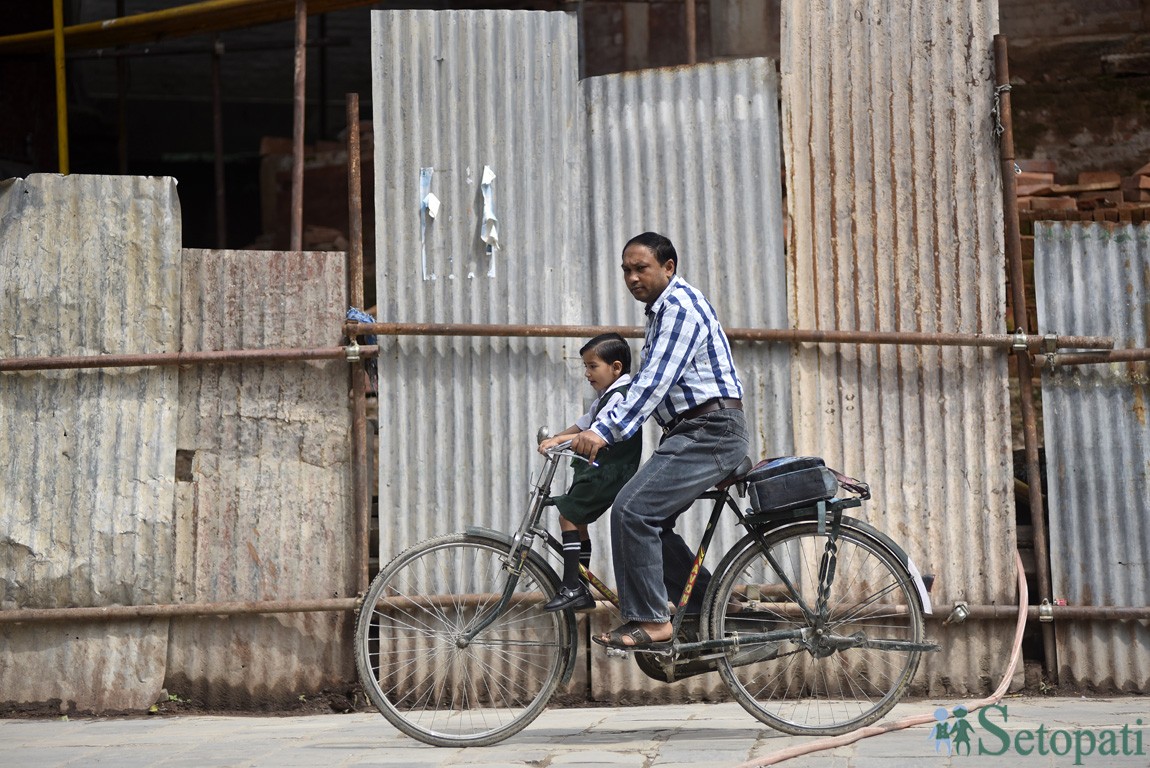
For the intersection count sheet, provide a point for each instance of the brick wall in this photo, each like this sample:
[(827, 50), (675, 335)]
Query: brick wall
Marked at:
[(1050, 19)]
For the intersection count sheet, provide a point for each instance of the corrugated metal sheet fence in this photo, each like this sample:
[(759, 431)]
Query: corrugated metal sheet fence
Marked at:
[(896, 215), (891, 232), (263, 507), (88, 265), (137, 486), (693, 153), (1095, 278)]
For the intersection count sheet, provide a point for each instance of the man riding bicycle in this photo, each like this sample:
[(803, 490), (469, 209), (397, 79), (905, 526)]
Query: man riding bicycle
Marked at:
[(687, 381)]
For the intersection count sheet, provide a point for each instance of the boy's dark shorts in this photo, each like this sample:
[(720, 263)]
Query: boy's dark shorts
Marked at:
[(592, 493)]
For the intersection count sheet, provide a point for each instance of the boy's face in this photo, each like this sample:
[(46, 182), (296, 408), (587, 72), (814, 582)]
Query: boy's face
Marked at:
[(600, 373)]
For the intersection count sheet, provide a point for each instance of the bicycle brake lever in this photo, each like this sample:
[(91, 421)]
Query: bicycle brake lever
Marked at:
[(573, 455)]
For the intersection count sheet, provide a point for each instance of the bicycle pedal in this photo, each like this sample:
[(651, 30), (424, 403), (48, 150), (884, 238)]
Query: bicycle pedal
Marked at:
[(660, 649)]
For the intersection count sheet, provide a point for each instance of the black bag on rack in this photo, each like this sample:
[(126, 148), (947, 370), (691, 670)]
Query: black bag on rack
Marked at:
[(790, 482)]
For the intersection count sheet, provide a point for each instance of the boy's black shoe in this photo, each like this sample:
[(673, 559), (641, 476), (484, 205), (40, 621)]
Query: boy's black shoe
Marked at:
[(576, 598)]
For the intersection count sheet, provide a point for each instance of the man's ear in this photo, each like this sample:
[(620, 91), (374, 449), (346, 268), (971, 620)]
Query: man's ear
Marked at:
[(674, 266)]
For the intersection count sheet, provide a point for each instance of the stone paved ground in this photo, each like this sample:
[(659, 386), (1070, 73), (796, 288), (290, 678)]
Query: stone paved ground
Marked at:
[(1030, 733)]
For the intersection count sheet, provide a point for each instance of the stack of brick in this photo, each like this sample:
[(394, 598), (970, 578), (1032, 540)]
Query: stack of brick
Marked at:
[(1093, 190), (325, 213)]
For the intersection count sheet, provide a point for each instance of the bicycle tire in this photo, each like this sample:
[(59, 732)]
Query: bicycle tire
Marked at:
[(784, 683), (424, 679)]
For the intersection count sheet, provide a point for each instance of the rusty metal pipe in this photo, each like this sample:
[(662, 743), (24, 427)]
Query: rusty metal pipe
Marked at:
[(360, 479), (918, 338), (178, 358), (218, 145), (61, 85), (298, 125), (130, 612), (1131, 355), (321, 86), (170, 610), (1058, 612), (788, 335), (352, 329), (127, 612), (1025, 371), (691, 31), (121, 102)]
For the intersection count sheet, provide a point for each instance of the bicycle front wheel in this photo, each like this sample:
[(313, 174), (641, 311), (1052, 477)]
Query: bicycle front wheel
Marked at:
[(425, 674), (813, 683)]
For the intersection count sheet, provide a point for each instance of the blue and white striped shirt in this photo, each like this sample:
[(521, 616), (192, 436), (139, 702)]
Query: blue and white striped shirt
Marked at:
[(686, 361)]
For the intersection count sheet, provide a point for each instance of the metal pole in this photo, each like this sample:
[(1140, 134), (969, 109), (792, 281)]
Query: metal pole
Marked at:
[(360, 479), (298, 133), (786, 335), (123, 612), (122, 101), (321, 87), (353, 329), (1025, 372), (1134, 354), (129, 612), (61, 85), (180, 358), (1054, 612), (692, 53), (218, 144)]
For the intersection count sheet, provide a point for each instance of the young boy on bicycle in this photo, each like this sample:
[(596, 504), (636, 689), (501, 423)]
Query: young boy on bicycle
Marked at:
[(607, 367)]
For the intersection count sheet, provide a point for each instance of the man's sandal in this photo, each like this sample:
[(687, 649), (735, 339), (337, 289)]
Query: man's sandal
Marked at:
[(639, 637)]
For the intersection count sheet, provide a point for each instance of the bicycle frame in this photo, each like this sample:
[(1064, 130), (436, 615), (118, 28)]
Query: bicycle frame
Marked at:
[(809, 637)]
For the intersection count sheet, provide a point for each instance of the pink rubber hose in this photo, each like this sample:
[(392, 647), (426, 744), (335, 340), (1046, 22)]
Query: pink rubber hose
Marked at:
[(874, 730)]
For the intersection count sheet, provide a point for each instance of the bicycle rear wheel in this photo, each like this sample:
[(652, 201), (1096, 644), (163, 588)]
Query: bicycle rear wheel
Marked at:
[(825, 684), (427, 679)]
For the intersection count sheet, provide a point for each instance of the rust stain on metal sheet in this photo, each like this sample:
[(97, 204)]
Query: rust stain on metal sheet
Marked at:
[(888, 233)]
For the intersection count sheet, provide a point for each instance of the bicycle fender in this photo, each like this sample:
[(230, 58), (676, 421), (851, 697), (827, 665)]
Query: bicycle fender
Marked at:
[(903, 558), (536, 559)]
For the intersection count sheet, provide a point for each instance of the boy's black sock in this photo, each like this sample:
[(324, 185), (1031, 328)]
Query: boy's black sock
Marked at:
[(571, 552), (585, 553)]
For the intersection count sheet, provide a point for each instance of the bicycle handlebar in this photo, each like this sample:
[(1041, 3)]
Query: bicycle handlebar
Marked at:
[(564, 449)]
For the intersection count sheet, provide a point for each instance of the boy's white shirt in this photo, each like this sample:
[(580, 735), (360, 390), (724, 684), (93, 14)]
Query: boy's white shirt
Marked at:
[(584, 421)]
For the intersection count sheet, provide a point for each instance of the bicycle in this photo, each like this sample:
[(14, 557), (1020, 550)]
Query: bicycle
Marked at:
[(813, 619)]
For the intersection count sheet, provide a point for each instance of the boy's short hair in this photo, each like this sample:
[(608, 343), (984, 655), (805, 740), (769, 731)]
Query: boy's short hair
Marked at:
[(611, 348)]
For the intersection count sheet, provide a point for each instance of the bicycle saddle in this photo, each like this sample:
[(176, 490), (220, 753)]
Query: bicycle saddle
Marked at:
[(743, 468)]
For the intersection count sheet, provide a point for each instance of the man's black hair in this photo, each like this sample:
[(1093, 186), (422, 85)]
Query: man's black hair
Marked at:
[(611, 348), (659, 245)]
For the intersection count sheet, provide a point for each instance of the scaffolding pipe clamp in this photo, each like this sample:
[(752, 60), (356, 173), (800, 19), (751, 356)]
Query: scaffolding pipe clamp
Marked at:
[(960, 613), (1050, 347), (352, 351)]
